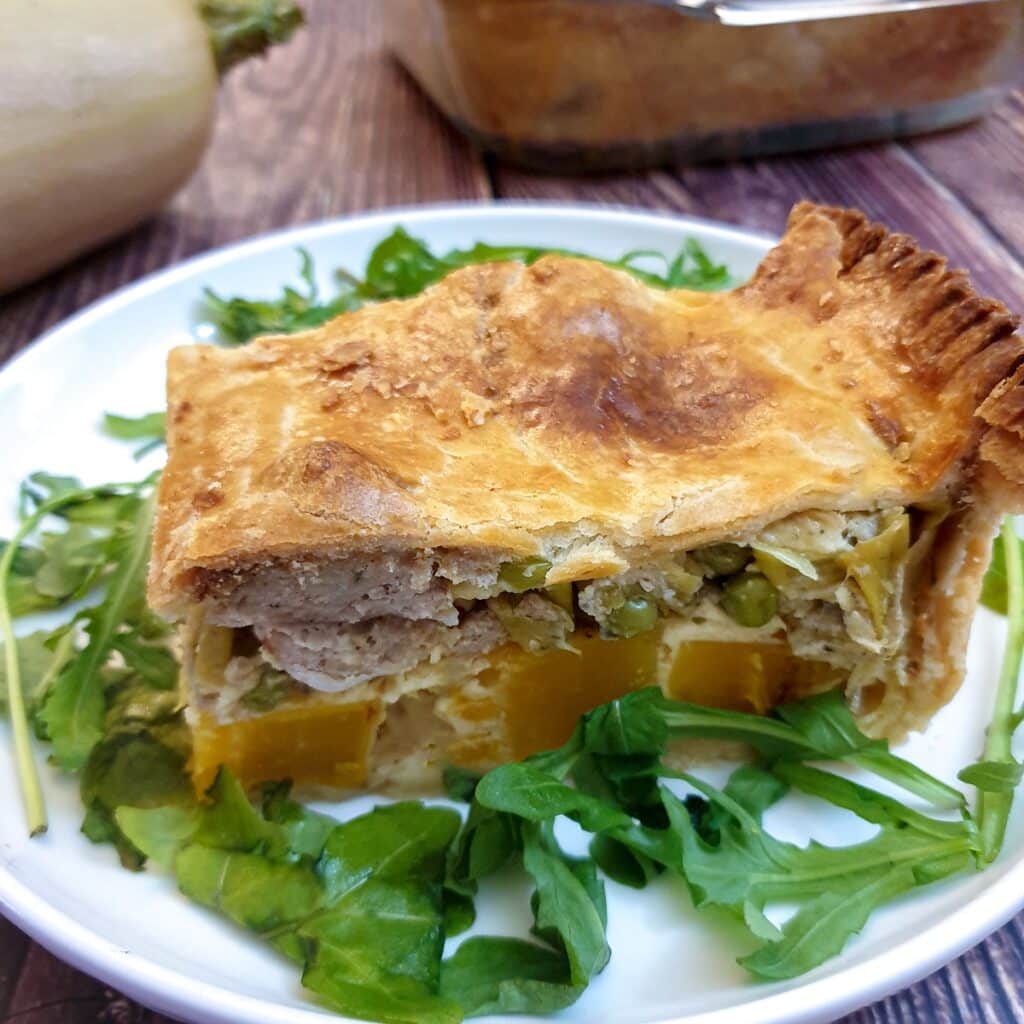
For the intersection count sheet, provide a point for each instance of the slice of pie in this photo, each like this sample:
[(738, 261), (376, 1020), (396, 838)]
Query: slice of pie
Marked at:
[(437, 530)]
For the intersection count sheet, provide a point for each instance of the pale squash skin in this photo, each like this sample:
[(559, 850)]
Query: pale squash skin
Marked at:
[(105, 110)]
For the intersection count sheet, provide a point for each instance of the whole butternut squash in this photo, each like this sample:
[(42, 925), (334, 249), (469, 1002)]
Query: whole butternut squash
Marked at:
[(105, 109)]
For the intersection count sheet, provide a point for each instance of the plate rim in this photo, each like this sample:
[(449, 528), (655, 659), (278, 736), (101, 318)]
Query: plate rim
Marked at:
[(170, 991)]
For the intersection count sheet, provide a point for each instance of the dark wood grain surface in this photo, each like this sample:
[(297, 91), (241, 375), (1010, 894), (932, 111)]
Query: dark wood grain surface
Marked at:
[(329, 124)]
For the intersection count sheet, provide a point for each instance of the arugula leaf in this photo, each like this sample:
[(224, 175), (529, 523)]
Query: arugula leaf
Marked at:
[(826, 722), (401, 265), (628, 780), (38, 662), (225, 821), (994, 585), (748, 869), (398, 841), (751, 788), (351, 983), (634, 724), (642, 721), (21, 594), (490, 974), (63, 568), (306, 831), (134, 770), (378, 953), (486, 843), (527, 793), (623, 864), (818, 728), (994, 803), (822, 927), (569, 905), (755, 789), (729, 860), (74, 708), (357, 905), (993, 776), (459, 912), (253, 891), (378, 943), (157, 833), (129, 771), (559, 762), (71, 561), (496, 975), (67, 565), (133, 706), (35, 506), (42, 488), (149, 426), (240, 320), (154, 663), (459, 783), (230, 822), (366, 919), (868, 804)]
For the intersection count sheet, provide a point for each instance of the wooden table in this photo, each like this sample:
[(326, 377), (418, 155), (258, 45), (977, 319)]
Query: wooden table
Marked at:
[(330, 125)]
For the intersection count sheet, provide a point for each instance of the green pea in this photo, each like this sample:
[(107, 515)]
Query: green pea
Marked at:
[(722, 559), (527, 574), (750, 599), (561, 594), (635, 615)]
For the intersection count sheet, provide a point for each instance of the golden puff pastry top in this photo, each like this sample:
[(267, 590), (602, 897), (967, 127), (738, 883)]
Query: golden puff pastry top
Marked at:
[(567, 409)]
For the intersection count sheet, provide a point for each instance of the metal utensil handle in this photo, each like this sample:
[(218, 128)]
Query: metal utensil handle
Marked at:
[(775, 12)]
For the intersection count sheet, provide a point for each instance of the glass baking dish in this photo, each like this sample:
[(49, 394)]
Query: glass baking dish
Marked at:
[(592, 85)]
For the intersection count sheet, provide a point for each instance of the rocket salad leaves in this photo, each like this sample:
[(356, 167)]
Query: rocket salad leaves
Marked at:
[(365, 908), (401, 266)]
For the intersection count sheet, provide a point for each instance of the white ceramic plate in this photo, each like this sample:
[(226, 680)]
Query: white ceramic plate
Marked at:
[(139, 935)]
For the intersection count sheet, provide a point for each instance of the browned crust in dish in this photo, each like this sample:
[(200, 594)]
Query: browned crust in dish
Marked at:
[(602, 74), (569, 411)]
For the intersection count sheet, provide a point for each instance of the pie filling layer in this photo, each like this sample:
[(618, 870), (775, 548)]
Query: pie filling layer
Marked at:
[(501, 665)]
